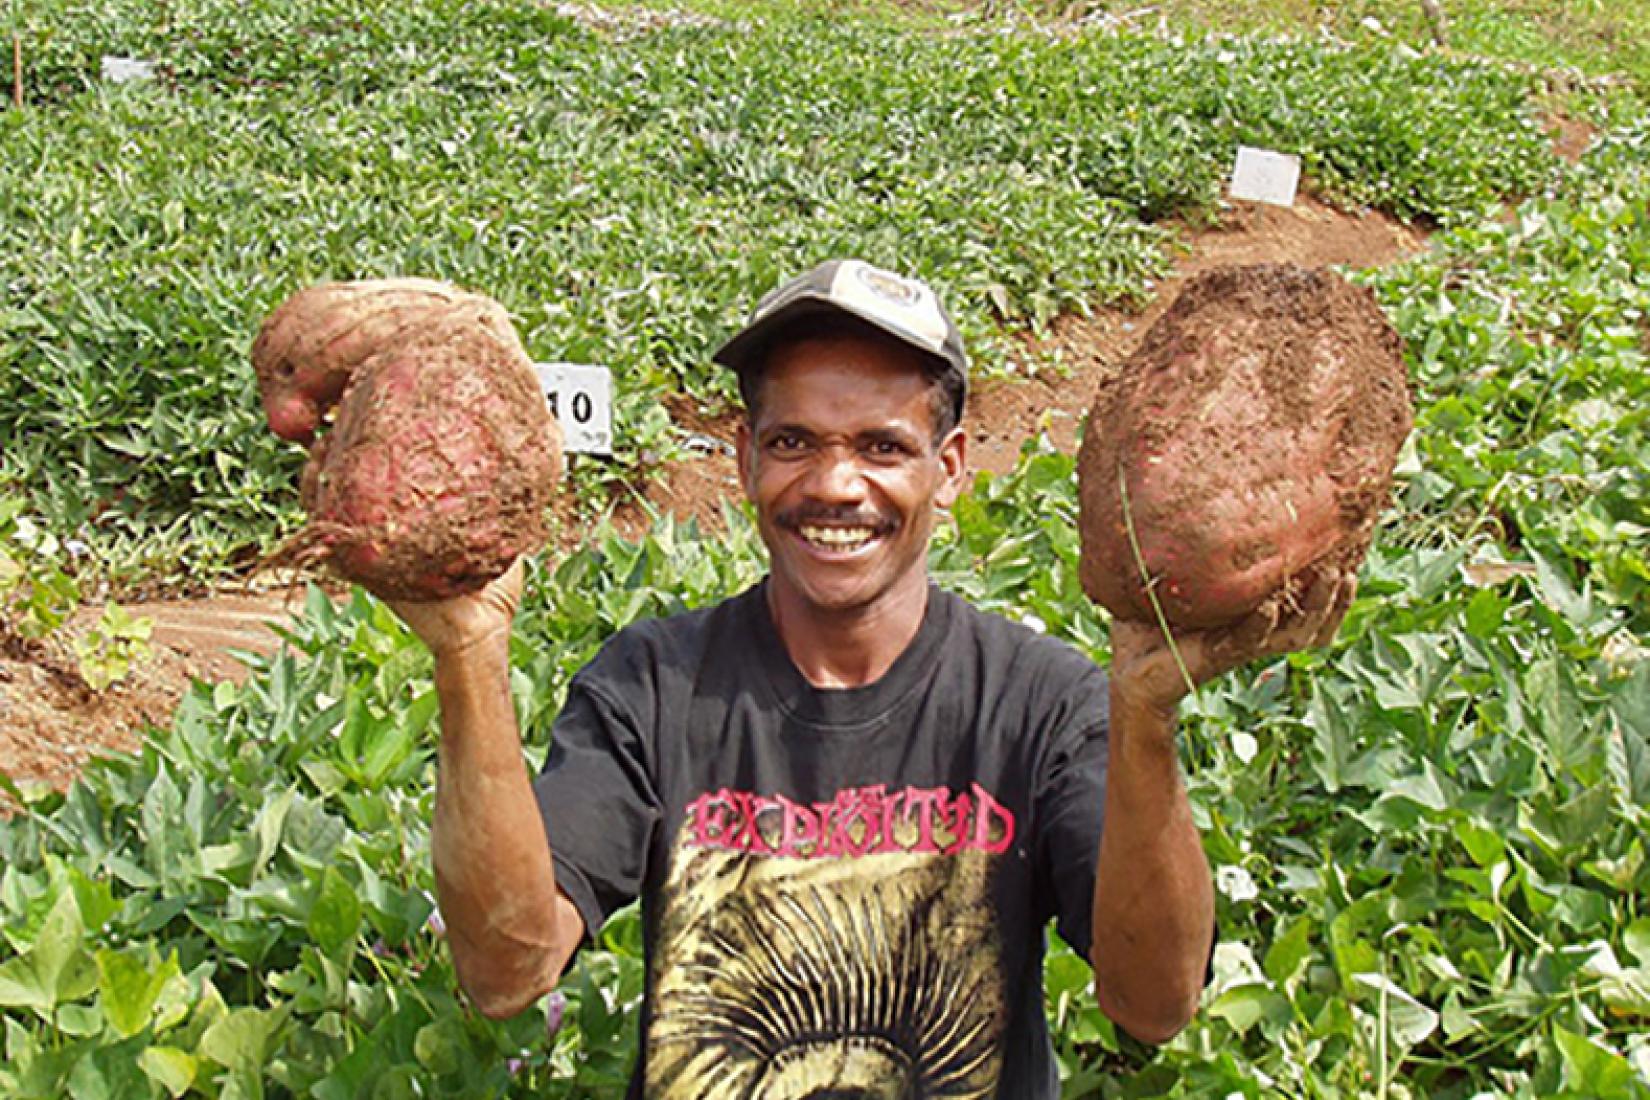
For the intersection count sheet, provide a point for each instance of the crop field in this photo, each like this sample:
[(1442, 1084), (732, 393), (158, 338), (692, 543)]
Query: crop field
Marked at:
[(1429, 839)]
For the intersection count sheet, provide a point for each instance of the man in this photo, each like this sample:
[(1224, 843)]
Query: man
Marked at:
[(849, 802)]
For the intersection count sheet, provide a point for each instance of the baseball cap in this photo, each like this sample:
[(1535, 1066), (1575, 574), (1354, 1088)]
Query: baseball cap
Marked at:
[(906, 309)]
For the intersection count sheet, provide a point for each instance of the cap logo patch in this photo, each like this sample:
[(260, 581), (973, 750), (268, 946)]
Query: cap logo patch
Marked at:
[(891, 287), (903, 306)]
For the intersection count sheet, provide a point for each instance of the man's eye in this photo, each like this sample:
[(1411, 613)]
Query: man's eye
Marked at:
[(786, 443), (887, 448)]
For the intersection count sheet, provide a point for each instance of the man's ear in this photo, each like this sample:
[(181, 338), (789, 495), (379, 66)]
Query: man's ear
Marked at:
[(953, 456), (744, 449)]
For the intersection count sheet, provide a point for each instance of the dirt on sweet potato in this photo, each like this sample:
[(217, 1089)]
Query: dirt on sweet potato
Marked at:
[(1249, 443), (442, 454)]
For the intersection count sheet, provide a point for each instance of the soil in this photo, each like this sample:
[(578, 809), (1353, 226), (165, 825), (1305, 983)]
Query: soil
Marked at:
[(50, 723), (1571, 136)]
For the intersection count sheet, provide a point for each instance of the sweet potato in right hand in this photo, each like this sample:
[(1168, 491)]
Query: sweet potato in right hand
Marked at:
[(1246, 447)]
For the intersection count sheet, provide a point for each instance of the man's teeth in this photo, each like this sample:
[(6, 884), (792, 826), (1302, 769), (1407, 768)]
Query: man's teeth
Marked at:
[(837, 536)]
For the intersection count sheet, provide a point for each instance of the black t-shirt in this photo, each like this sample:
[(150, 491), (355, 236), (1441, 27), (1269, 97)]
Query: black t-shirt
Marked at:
[(844, 891)]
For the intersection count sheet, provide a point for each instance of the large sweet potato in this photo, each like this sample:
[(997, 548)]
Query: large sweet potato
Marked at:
[(1249, 442), (442, 456)]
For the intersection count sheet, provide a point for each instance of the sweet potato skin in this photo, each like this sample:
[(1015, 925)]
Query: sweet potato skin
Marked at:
[(442, 455), (311, 345), (1249, 443)]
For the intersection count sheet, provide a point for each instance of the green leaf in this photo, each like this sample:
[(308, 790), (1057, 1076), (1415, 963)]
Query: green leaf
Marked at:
[(335, 914), (1289, 952), (388, 739), (1593, 1070), (1407, 1020), (56, 969), (1637, 939), (268, 824), (1246, 1005), (128, 988), (1575, 738), (1483, 844), (170, 1068), (1560, 594), (95, 897), (106, 1073), (1457, 1022), (1485, 613), (439, 1046), (1630, 749), (161, 816), (241, 1040)]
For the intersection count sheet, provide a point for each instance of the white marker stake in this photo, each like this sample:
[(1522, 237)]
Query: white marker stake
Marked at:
[(121, 70), (1261, 175), (581, 400)]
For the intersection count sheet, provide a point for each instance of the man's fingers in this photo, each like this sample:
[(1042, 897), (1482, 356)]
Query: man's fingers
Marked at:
[(1237, 644), (1322, 608), (1309, 620)]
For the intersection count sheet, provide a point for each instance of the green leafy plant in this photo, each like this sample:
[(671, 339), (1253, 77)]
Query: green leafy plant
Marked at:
[(35, 594), (626, 198), (106, 651)]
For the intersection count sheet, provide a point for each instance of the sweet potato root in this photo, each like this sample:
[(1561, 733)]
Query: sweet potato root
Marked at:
[(1249, 442), (442, 456)]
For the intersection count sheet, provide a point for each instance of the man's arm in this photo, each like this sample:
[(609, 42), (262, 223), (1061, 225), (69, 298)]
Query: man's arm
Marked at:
[(511, 930), (1154, 907), (1154, 910)]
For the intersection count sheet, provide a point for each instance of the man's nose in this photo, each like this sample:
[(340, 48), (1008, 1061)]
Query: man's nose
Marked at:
[(836, 475)]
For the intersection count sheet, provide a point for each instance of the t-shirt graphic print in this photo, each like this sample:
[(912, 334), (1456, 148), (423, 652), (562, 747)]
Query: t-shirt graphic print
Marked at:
[(845, 949)]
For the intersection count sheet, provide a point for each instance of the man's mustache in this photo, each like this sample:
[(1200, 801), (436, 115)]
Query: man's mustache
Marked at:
[(824, 515)]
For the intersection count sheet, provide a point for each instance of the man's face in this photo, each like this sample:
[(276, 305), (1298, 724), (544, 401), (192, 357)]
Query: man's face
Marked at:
[(843, 469)]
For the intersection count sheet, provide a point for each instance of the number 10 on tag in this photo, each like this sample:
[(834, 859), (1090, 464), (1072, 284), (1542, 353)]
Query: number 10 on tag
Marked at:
[(581, 400)]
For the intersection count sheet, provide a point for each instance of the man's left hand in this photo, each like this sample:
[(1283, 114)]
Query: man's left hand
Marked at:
[(1144, 671)]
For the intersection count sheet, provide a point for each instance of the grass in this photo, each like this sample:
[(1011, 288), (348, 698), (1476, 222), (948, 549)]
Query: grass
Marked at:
[(1596, 37), (626, 197)]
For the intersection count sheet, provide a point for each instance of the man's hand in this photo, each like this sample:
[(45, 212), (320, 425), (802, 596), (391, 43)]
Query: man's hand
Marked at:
[(450, 627), (1143, 666)]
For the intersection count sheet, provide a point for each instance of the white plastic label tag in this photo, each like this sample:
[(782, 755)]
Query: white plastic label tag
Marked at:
[(120, 70), (581, 400), (1260, 175)]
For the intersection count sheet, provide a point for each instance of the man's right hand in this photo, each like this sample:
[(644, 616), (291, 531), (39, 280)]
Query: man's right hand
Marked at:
[(452, 626)]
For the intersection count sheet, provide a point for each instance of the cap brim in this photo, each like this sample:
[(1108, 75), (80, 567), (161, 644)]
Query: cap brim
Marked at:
[(747, 344)]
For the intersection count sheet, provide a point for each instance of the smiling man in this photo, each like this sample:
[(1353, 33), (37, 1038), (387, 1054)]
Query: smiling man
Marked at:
[(849, 802)]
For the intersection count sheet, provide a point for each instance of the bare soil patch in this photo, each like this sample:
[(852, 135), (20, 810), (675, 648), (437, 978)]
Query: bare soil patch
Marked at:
[(51, 722), (1571, 136)]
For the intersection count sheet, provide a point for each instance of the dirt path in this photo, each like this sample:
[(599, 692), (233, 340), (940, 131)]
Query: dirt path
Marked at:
[(50, 723)]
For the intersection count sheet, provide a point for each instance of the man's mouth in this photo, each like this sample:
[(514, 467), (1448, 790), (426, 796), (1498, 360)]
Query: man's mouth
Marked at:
[(837, 533), (838, 539)]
